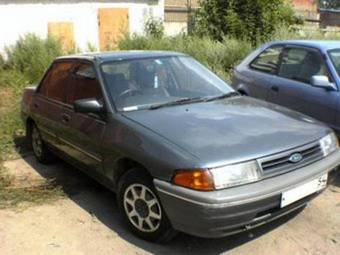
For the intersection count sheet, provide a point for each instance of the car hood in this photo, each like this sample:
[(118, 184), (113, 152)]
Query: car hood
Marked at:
[(230, 130)]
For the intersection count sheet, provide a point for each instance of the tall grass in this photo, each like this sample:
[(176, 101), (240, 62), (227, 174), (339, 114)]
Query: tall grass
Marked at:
[(221, 57), (306, 33), (30, 55), (25, 62)]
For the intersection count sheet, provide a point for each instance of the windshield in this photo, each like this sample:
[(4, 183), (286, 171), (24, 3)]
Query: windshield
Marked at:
[(335, 57), (142, 83)]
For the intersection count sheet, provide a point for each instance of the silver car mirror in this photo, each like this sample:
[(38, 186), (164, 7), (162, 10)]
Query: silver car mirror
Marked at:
[(322, 81)]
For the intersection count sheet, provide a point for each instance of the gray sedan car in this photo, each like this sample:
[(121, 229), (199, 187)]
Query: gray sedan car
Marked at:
[(182, 150)]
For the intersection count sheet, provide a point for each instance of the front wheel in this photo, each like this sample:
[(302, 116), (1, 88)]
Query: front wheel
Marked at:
[(141, 207)]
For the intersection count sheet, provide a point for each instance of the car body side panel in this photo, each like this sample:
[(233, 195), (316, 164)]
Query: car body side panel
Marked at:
[(315, 102), (82, 137), (126, 139), (252, 82), (46, 114)]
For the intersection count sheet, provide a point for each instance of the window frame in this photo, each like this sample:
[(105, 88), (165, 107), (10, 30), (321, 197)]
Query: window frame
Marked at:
[(75, 76), (337, 74), (262, 51), (109, 96), (98, 77), (47, 72), (307, 48), (70, 106)]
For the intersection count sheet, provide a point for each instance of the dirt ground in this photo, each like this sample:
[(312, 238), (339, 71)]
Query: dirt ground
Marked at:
[(86, 221)]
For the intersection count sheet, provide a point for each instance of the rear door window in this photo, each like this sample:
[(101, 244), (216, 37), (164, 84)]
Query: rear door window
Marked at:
[(268, 60), (55, 83), (301, 64)]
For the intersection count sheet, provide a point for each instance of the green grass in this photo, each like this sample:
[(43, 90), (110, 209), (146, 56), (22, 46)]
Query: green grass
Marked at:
[(26, 62)]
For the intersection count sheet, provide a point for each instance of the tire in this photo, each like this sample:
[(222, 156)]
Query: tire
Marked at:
[(40, 150), (138, 198)]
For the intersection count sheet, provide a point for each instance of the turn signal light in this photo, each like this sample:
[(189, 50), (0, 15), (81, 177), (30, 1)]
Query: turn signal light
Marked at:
[(194, 179)]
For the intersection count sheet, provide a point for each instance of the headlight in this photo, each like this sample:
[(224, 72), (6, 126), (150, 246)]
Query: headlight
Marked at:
[(233, 175), (218, 178), (329, 143)]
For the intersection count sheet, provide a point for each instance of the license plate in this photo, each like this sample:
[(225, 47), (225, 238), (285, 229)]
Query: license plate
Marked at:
[(304, 190)]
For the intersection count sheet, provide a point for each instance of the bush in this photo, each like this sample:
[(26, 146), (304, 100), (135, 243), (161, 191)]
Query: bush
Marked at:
[(31, 55), (220, 56), (154, 27), (250, 20)]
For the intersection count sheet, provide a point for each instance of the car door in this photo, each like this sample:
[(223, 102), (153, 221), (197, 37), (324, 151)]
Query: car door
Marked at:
[(292, 87), (50, 100), (255, 79), (82, 138)]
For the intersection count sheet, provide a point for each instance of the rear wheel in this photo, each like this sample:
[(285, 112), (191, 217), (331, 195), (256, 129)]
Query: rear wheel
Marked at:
[(141, 207), (40, 150)]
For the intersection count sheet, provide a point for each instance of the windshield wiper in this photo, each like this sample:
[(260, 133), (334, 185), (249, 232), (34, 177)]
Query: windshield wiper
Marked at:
[(227, 95), (184, 100)]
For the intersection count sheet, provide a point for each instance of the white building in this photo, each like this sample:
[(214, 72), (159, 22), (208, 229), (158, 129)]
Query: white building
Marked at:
[(76, 22)]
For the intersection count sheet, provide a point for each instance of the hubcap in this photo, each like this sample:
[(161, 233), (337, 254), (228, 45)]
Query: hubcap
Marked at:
[(142, 208), (36, 142)]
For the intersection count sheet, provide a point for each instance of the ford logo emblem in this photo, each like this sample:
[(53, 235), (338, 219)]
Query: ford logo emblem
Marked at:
[(295, 158)]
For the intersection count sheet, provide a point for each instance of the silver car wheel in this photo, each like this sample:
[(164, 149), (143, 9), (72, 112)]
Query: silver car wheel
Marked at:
[(142, 208), (37, 143)]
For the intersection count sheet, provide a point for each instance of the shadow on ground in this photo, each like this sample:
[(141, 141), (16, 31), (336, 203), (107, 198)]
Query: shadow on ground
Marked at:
[(100, 203)]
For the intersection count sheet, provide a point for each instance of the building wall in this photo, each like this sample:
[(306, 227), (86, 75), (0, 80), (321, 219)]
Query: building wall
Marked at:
[(176, 14), (329, 18), (310, 5), (21, 18), (173, 28), (306, 8)]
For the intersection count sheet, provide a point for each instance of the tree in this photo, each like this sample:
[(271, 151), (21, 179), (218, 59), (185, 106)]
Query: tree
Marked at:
[(329, 4), (252, 20)]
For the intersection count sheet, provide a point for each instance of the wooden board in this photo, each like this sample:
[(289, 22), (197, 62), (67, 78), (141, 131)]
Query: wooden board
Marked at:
[(64, 32), (113, 23)]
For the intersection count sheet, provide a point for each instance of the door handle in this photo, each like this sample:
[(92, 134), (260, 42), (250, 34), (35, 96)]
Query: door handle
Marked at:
[(65, 117), (275, 88)]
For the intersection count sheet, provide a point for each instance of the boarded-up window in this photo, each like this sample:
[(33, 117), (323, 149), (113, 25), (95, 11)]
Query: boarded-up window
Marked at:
[(64, 32), (113, 23)]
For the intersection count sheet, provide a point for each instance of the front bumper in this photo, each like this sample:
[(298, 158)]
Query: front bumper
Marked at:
[(229, 211)]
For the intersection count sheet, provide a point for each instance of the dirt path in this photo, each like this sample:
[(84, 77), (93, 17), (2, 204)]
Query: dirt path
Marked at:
[(86, 222)]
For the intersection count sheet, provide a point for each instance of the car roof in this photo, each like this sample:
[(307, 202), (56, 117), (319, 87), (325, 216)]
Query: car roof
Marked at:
[(121, 55), (320, 44)]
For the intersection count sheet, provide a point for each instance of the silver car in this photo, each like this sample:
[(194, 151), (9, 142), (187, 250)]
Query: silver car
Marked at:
[(182, 150)]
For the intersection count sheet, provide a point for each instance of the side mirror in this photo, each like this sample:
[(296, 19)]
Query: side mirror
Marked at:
[(322, 81), (88, 105)]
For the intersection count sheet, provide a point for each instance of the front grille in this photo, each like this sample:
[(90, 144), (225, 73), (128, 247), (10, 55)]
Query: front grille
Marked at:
[(281, 163)]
